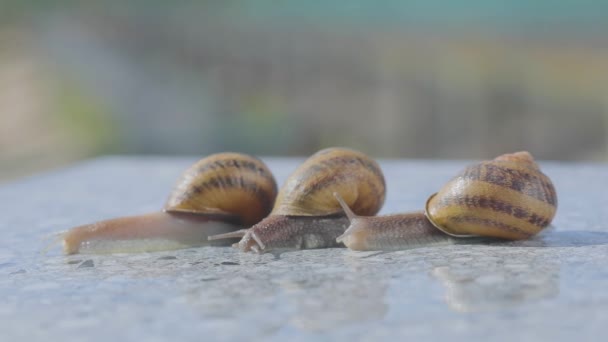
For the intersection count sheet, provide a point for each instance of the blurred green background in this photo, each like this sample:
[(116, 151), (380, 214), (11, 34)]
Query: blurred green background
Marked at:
[(407, 79)]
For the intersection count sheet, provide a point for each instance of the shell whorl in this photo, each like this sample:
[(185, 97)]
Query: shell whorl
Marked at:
[(508, 197), (309, 189), (225, 184)]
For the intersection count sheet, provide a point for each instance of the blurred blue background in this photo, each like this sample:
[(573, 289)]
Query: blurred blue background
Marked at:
[(407, 79)]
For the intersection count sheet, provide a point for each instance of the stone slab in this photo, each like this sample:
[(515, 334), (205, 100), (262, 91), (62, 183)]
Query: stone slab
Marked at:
[(552, 287)]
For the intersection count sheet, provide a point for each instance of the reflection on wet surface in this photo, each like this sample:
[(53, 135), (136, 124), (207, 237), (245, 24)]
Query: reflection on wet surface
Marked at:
[(498, 286), (334, 302), (485, 283), (312, 296)]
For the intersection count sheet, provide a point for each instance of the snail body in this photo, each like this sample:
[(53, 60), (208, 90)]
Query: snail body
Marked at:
[(504, 198), (306, 214), (392, 232), (221, 193)]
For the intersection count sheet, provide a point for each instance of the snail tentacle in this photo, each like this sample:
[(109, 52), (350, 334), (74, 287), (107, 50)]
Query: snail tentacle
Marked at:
[(235, 234)]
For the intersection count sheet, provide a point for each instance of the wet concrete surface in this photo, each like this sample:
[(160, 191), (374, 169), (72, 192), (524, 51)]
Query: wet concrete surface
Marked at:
[(552, 287)]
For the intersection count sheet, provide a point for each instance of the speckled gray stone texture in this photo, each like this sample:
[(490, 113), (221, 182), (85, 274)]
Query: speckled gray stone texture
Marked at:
[(554, 287)]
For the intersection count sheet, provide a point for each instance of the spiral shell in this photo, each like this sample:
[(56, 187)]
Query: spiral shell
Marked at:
[(508, 197), (225, 184), (310, 188)]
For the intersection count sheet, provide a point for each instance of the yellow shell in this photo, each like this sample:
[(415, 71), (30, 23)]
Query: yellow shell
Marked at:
[(309, 190), (225, 184), (508, 197)]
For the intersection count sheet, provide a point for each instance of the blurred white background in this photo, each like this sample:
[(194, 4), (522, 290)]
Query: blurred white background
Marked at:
[(426, 79)]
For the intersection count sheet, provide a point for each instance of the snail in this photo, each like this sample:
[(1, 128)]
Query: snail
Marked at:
[(306, 214), (505, 198), (220, 193)]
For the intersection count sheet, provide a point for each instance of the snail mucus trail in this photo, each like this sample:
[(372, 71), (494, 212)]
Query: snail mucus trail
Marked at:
[(306, 215), (504, 198), (221, 193)]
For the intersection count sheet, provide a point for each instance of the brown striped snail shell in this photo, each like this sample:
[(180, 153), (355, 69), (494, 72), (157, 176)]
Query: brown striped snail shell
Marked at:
[(220, 193), (507, 198), (225, 184), (306, 214), (309, 189)]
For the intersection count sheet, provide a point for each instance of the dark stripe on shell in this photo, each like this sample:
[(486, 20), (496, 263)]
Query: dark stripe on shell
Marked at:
[(489, 223), (263, 195), (496, 205), (333, 164), (237, 164), (356, 178), (518, 180)]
